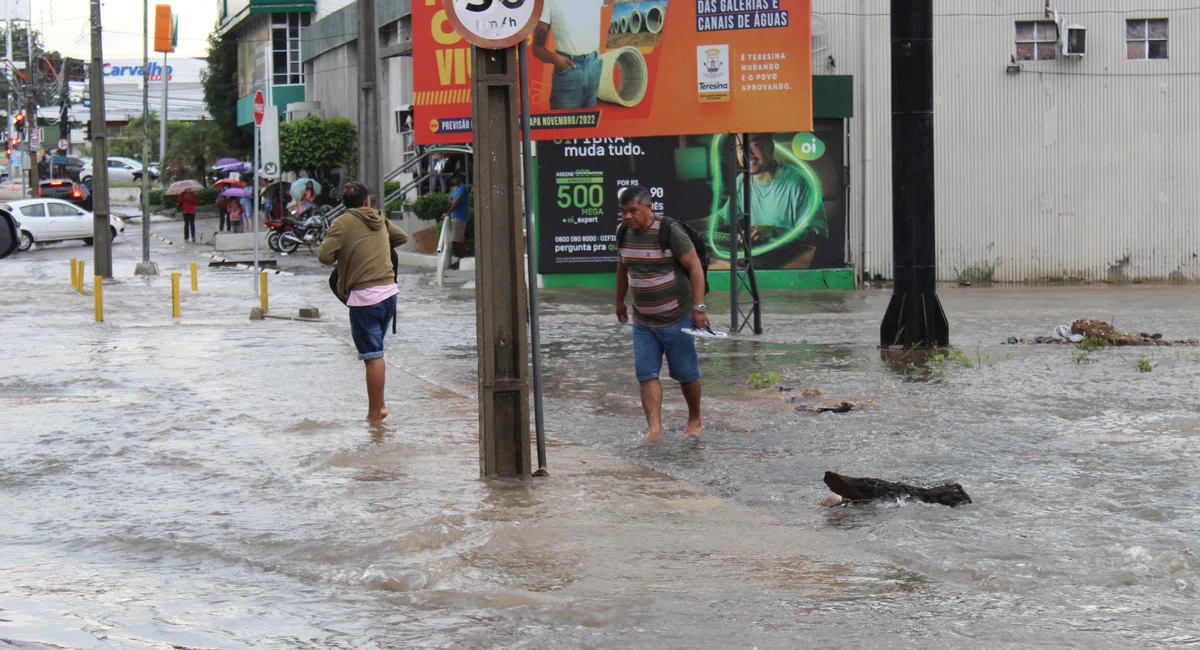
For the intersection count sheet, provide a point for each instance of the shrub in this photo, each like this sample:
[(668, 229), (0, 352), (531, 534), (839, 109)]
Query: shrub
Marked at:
[(432, 206)]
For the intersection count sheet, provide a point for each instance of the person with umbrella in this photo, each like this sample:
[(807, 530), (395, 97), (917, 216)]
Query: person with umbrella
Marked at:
[(186, 190), (188, 202), (308, 196)]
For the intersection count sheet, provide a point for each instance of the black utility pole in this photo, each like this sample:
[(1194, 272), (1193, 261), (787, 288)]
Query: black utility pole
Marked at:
[(914, 318)]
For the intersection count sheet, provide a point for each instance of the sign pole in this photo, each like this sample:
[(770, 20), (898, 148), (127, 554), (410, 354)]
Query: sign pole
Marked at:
[(146, 267), (260, 108), (496, 30), (535, 333), (499, 279), (162, 128)]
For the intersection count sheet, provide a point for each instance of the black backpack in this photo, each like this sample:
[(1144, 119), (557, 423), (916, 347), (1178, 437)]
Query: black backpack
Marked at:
[(664, 241), (333, 281)]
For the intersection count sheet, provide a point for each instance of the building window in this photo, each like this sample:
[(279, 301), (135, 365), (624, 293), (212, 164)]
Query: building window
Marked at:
[(1037, 40), (285, 46), (1146, 39)]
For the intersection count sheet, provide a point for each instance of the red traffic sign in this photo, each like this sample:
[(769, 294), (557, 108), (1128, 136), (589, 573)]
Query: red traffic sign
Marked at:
[(260, 108)]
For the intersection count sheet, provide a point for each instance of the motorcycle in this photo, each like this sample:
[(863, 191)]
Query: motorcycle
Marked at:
[(308, 228)]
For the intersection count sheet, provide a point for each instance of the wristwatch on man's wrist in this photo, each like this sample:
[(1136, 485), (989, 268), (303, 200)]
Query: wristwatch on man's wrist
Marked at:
[(702, 308)]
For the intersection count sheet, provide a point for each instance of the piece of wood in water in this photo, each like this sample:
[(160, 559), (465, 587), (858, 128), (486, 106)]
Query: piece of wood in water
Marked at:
[(858, 489)]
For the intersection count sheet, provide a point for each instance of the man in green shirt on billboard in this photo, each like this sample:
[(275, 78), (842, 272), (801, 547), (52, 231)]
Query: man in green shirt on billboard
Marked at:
[(778, 203)]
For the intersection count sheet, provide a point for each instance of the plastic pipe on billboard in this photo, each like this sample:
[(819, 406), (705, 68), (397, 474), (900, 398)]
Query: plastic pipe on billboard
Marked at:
[(636, 24), (634, 76), (654, 19), (624, 24)]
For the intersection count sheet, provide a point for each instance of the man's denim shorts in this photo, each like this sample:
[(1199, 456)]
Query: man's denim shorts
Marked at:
[(649, 344), (368, 325)]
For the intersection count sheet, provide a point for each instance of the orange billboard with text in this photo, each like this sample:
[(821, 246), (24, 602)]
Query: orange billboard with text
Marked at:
[(611, 68)]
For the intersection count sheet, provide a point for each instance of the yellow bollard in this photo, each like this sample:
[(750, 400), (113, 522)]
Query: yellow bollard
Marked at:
[(262, 289), (99, 296), (195, 282), (175, 295), (74, 279), (80, 275)]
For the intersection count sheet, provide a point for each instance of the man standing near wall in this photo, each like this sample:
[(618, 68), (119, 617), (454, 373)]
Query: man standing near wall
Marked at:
[(576, 55), (668, 297)]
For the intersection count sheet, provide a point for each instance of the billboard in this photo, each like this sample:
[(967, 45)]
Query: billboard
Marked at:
[(798, 199), (632, 68)]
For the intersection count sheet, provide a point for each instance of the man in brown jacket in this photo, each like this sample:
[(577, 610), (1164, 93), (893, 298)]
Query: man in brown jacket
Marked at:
[(360, 243)]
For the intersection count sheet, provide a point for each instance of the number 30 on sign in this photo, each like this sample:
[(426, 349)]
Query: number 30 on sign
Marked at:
[(493, 24)]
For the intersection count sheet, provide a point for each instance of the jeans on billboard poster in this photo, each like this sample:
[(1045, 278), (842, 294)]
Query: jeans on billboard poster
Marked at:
[(632, 68), (798, 207)]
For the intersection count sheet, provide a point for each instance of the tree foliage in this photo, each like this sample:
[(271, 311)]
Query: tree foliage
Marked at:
[(317, 145), (220, 91), (47, 85), (192, 146)]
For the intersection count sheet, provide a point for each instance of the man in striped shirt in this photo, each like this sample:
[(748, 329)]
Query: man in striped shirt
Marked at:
[(668, 296)]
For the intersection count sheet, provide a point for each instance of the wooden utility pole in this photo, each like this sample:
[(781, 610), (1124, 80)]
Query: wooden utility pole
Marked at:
[(369, 136), (500, 309), (102, 242)]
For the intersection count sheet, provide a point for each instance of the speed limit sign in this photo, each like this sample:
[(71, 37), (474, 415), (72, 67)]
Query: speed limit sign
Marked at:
[(493, 24)]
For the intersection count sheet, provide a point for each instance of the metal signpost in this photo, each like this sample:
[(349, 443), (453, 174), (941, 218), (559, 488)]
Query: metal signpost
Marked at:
[(495, 27), (260, 109)]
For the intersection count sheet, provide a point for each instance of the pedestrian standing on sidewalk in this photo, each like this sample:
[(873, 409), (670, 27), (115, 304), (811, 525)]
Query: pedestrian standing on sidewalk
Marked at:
[(360, 242), (223, 214), (459, 197), (668, 297), (188, 202), (235, 215)]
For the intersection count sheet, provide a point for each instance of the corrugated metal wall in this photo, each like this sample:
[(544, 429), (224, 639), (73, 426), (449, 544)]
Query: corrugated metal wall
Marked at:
[(1074, 169)]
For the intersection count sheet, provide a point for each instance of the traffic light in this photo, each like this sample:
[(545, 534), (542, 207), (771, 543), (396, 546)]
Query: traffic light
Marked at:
[(87, 131)]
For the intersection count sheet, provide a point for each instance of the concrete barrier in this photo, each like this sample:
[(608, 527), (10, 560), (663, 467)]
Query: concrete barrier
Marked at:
[(231, 241)]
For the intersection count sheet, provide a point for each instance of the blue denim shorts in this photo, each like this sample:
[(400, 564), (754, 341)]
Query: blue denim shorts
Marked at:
[(368, 325), (579, 86), (650, 343)]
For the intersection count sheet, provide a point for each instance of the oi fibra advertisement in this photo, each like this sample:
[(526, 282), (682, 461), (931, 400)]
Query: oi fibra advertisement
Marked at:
[(797, 196), (614, 68)]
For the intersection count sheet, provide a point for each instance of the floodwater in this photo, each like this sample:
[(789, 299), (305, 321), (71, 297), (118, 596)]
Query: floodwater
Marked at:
[(208, 484)]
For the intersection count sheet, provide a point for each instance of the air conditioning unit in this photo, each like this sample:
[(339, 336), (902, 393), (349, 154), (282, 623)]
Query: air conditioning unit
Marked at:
[(1074, 40)]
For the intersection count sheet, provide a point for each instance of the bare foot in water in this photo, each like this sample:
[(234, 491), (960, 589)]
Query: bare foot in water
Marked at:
[(654, 435), (383, 413), (694, 428)]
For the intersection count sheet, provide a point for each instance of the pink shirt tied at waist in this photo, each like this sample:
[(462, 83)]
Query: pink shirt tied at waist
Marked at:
[(372, 296)]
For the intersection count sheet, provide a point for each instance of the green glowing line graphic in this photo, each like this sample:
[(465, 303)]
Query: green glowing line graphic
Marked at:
[(785, 156)]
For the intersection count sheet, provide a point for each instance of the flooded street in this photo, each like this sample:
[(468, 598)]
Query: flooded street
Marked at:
[(209, 482)]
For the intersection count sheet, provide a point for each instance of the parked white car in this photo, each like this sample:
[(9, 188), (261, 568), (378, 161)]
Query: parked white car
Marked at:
[(120, 170), (50, 220)]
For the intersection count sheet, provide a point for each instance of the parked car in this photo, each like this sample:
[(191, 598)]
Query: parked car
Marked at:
[(69, 191), (9, 237), (51, 220), (120, 170)]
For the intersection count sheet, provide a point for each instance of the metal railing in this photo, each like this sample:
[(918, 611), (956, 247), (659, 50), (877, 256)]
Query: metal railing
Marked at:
[(413, 162)]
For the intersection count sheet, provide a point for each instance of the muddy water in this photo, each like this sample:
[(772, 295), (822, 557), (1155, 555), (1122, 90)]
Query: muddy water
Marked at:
[(202, 485), (1083, 470)]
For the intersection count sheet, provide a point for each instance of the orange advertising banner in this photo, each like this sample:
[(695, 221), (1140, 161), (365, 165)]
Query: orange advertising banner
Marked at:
[(614, 68)]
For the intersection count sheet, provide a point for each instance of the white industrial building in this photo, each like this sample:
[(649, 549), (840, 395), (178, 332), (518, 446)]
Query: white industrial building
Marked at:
[(1056, 159)]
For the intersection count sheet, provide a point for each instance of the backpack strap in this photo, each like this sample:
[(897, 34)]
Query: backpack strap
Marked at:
[(664, 233)]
